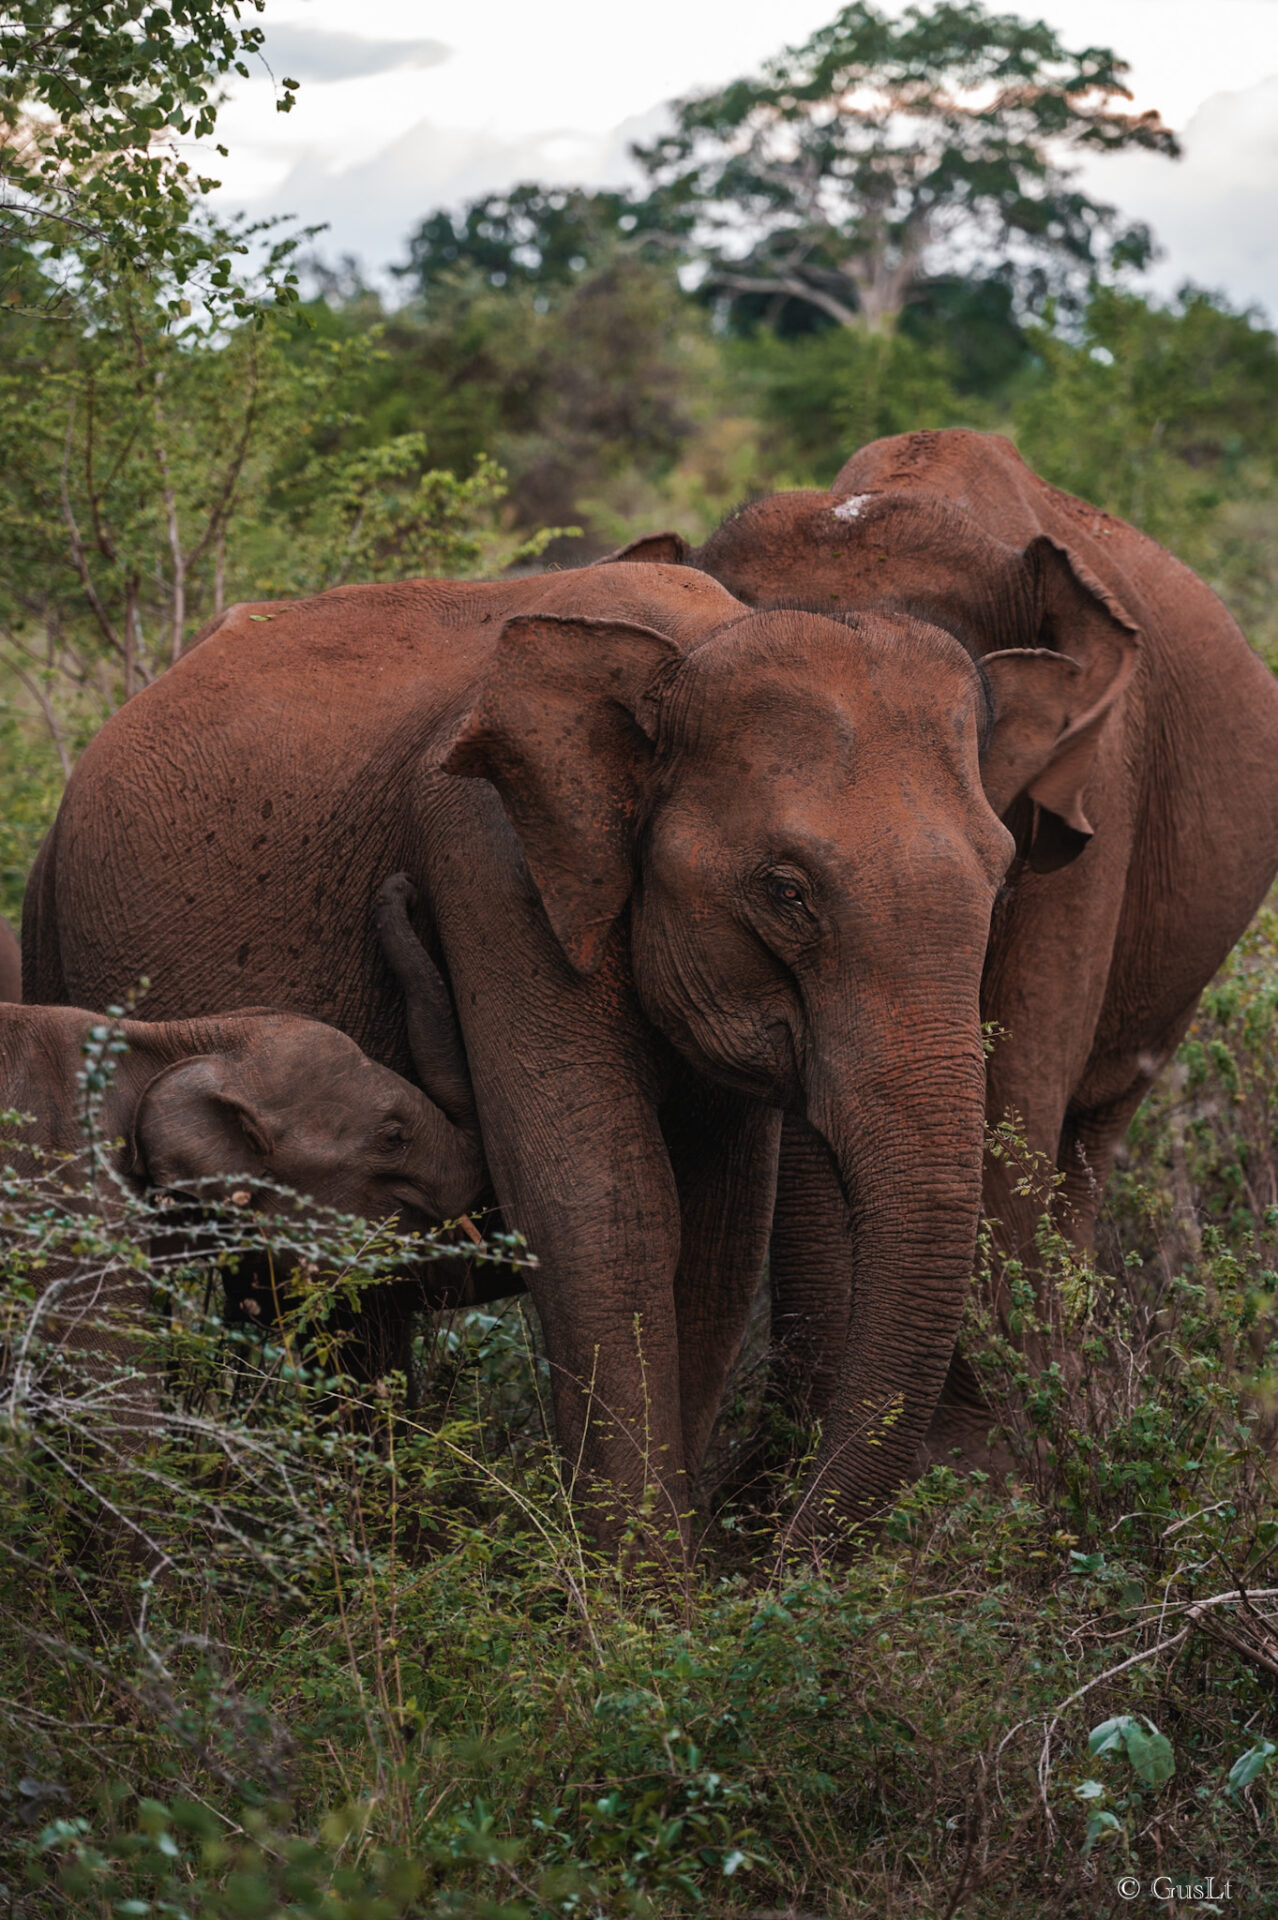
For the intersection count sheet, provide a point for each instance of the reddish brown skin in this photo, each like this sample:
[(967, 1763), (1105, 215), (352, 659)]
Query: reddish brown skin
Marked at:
[(591, 778), (10, 963), (1093, 970), (285, 1099), (234, 1099)]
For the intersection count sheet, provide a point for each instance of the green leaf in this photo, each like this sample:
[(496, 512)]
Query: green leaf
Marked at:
[(1098, 1824), (1108, 1735), (1250, 1765), (1150, 1754)]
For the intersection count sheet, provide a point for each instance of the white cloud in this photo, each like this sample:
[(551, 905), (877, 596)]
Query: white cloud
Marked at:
[(1216, 211), (557, 91), (371, 208), (312, 53)]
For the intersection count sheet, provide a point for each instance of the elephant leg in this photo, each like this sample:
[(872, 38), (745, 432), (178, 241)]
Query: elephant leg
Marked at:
[(1018, 1191), (600, 1211), (1046, 974), (1075, 1134), (1092, 1128), (567, 1092), (1048, 971), (810, 1266), (723, 1150), (1098, 1117)]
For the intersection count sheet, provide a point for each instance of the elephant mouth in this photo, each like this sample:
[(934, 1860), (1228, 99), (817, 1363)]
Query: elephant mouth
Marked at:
[(774, 1074), (761, 1062), (416, 1212)]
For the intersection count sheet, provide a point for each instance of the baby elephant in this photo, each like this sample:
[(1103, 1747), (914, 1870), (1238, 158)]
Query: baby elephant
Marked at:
[(210, 1105), (262, 1095), (252, 1095)]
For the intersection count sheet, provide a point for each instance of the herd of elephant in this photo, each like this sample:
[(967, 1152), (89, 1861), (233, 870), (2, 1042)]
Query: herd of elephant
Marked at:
[(665, 903)]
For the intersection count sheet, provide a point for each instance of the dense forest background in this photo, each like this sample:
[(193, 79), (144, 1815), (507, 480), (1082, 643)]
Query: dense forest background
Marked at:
[(857, 242), (319, 1652)]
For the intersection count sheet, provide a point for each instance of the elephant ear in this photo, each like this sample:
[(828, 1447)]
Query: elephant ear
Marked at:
[(195, 1122), (671, 548), (1051, 703), (564, 728)]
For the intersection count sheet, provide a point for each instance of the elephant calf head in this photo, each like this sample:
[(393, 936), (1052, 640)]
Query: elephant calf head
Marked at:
[(295, 1103), (804, 818)]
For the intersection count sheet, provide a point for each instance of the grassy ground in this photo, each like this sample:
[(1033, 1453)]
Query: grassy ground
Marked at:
[(382, 1674)]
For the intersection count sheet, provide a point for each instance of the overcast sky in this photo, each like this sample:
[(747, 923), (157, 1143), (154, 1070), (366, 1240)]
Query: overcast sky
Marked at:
[(427, 105)]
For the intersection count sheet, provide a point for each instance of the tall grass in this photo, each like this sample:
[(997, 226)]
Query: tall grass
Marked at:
[(363, 1663)]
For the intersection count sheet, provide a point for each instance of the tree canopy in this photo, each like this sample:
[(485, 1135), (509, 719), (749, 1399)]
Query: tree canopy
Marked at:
[(884, 148), (92, 101), (535, 235)]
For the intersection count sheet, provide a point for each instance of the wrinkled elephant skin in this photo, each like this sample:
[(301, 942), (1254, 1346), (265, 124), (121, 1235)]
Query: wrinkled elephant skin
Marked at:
[(688, 865), (1116, 913)]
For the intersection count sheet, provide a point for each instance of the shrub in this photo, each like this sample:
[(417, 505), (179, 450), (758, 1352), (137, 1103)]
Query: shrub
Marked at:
[(380, 1672)]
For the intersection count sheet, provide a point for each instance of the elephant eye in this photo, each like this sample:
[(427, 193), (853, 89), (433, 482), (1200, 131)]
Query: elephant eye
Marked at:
[(786, 890), (394, 1137)]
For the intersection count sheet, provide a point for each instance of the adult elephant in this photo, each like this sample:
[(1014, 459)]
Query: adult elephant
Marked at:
[(1129, 885), (687, 865)]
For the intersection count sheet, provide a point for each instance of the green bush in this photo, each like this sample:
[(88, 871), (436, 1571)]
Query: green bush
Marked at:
[(30, 789), (379, 1671)]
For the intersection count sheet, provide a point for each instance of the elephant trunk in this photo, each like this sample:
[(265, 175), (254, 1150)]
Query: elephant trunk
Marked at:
[(906, 1132), (452, 1158)]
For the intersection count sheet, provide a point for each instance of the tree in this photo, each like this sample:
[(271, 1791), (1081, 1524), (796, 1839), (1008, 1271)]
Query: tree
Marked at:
[(586, 382), (123, 450), (150, 473), (1160, 412), (92, 99), (533, 235), (883, 149)]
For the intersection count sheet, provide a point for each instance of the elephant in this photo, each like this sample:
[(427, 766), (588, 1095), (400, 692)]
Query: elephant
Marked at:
[(260, 1094), (10, 963), (234, 1098), (229, 1101), (210, 1105), (1129, 886), (689, 866)]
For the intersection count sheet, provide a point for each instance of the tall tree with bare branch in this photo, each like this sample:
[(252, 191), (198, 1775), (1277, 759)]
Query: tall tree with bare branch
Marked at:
[(884, 148)]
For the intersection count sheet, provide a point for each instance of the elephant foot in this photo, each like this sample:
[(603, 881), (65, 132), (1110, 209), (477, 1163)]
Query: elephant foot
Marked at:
[(964, 1432)]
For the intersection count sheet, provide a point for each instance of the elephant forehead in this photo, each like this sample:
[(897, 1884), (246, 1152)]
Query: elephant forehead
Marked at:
[(915, 552), (926, 557), (766, 725), (802, 692), (305, 1062)]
